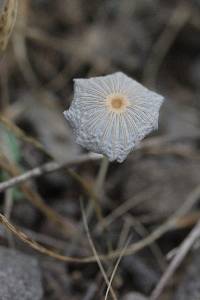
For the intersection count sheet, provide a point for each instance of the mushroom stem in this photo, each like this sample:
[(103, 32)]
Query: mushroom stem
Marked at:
[(98, 190), (102, 175)]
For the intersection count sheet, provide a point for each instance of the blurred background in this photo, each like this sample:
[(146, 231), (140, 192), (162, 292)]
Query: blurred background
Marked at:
[(156, 42)]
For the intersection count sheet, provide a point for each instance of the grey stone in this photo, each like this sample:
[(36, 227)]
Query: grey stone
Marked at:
[(134, 296), (20, 277)]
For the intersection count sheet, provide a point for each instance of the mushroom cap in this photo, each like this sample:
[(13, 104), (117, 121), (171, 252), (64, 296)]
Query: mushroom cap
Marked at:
[(111, 114)]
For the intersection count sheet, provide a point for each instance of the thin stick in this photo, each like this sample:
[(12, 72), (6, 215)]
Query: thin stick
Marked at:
[(47, 168), (181, 253)]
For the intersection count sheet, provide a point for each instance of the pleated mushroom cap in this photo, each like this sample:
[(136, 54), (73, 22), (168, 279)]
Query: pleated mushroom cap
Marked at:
[(111, 114)]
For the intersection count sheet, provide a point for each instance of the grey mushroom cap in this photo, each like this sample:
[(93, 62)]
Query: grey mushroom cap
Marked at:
[(111, 114)]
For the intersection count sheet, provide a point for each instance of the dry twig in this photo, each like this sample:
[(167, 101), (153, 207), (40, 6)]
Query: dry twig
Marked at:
[(47, 168), (23, 237), (179, 257)]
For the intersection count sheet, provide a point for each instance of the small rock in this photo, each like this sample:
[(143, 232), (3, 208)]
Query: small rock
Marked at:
[(20, 277), (134, 296)]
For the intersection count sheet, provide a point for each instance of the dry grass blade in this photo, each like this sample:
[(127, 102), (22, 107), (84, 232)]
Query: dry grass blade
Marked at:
[(115, 268), (96, 254), (7, 21), (23, 237)]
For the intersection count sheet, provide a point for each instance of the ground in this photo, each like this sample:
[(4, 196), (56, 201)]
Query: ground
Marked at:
[(155, 42)]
